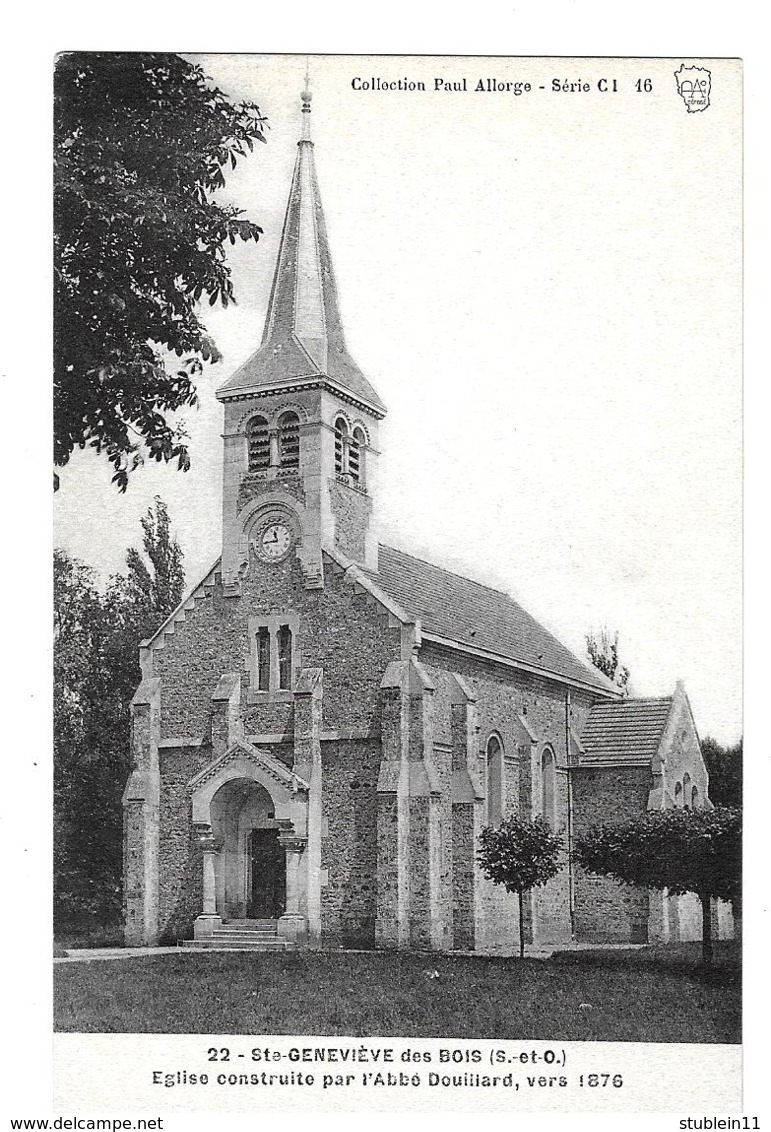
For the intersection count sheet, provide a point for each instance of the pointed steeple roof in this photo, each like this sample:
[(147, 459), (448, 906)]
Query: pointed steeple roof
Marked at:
[(303, 341)]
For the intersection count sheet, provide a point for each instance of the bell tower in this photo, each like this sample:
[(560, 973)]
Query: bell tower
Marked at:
[(301, 420)]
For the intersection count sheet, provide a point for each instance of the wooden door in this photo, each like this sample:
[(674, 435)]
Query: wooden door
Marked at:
[(267, 896)]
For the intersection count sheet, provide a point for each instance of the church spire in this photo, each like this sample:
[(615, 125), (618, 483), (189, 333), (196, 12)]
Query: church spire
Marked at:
[(303, 341), (305, 98)]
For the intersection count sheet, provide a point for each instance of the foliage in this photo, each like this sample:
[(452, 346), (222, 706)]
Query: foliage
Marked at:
[(682, 851), (724, 765), (520, 855), (96, 672), (602, 650), (141, 142)]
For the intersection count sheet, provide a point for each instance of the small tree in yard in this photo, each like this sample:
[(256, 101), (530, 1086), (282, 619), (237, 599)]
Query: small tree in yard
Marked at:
[(520, 855), (679, 850)]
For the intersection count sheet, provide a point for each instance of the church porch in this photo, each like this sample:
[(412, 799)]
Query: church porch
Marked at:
[(250, 821)]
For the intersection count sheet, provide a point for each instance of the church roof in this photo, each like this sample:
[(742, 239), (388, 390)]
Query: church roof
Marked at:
[(303, 341), (477, 617), (624, 731)]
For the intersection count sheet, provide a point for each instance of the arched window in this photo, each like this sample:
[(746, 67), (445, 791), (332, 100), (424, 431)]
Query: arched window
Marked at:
[(259, 443), (687, 791), (341, 446), (695, 798), (274, 652), (494, 769), (678, 795), (284, 657), (263, 659), (356, 455), (549, 787), (289, 440)]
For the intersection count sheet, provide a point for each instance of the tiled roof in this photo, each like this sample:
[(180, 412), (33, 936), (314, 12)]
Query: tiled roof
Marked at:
[(625, 730), (476, 616)]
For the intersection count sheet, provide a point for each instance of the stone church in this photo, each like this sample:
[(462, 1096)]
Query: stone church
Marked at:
[(325, 724)]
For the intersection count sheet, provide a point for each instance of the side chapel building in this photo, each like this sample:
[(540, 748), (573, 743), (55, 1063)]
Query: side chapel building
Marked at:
[(325, 724)]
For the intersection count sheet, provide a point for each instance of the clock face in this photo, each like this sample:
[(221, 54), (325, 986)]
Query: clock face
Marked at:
[(274, 540)]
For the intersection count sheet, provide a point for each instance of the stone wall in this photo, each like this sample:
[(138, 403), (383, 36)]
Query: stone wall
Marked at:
[(338, 631), (504, 694), (351, 509), (134, 834), (180, 860), (462, 877), (349, 842), (605, 909), (551, 902), (442, 761), (255, 484)]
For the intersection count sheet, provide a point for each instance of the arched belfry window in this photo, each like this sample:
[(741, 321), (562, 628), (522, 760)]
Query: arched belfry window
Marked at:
[(356, 455), (549, 787), (678, 795), (695, 798), (289, 440), (494, 774), (259, 443), (350, 446), (687, 791), (341, 446)]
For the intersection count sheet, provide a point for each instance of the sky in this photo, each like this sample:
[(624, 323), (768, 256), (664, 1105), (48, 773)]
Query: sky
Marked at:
[(544, 288)]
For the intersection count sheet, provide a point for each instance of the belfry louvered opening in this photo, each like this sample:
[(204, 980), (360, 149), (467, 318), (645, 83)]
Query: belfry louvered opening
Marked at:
[(356, 456), (341, 444), (259, 443), (349, 452), (289, 440)]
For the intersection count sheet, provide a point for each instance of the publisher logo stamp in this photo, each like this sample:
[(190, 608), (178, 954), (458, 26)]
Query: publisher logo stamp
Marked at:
[(693, 86)]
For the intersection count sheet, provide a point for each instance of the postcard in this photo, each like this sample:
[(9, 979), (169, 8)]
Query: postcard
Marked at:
[(398, 646)]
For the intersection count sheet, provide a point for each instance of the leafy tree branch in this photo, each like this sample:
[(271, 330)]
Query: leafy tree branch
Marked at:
[(141, 143)]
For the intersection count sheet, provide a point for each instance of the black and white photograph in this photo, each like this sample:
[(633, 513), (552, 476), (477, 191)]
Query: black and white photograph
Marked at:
[(397, 647)]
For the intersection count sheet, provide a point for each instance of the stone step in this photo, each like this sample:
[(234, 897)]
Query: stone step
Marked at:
[(212, 944), (251, 924), (269, 929), (236, 934)]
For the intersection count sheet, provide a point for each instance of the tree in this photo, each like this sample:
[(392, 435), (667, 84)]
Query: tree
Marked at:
[(82, 875), (96, 672), (140, 600), (724, 765), (141, 142), (520, 855), (602, 650), (136, 604), (679, 850)]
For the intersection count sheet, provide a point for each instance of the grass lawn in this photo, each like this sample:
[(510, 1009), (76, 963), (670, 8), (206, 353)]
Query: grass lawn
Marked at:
[(636, 996)]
